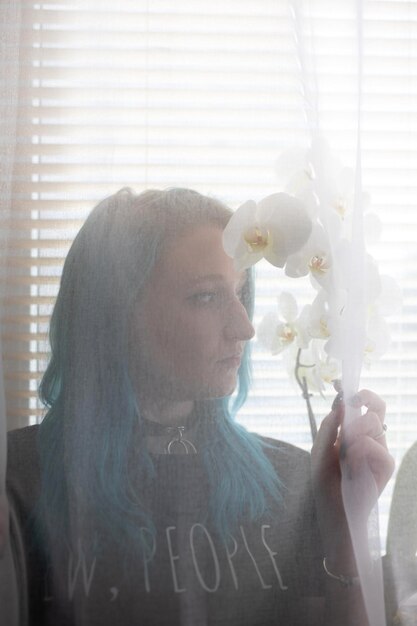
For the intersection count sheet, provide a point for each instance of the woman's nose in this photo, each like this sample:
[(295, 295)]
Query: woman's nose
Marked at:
[(238, 324)]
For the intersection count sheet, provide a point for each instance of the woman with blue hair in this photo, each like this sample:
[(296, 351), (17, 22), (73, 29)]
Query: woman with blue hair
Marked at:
[(139, 499)]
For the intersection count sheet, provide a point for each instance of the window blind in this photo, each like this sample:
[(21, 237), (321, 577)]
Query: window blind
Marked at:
[(206, 95)]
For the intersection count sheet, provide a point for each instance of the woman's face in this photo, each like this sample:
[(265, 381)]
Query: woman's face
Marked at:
[(190, 327)]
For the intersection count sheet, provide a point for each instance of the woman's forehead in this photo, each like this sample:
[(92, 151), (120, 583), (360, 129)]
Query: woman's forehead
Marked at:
[(196, 255)]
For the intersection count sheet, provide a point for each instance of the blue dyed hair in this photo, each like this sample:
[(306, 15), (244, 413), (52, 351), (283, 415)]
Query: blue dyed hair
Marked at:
[(93, 414)]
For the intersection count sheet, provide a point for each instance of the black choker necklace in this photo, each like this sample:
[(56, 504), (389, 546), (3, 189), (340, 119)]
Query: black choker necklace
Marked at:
[(177, 432)]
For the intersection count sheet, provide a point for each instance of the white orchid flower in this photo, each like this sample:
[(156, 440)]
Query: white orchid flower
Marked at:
[(338, 184), (296, 176), (378, 339), (319, 318), (372, 288), (316, 366), (326, 369), (323, 250), (388, 301), (326, 321), (383, 297), (293, 162), (341, 185), (325, 372), (372, 225), (314, 258), (272, 229), (278, 330), (382, 293)]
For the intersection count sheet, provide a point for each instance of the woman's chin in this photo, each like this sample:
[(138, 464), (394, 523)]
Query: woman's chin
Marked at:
[(225, 387)]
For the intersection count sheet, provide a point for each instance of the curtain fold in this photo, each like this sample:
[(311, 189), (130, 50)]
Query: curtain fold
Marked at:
[(10, 36)]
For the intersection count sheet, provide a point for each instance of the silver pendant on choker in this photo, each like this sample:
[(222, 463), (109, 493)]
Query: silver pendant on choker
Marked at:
[(179, 440)]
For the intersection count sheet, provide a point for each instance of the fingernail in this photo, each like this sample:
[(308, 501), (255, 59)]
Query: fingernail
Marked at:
[(337, 384), (355, 401), (337, 401)]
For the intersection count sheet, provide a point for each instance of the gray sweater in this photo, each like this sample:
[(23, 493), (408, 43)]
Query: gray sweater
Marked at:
[(190, 577)]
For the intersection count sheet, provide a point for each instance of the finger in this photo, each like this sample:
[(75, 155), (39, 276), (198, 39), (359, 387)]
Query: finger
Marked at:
[(369, 425), (327, 435), (372, 401), (338, 400), (367, 452)]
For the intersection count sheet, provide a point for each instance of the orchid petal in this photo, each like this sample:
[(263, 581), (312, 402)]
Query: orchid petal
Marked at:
[(274, 259), (378, 339), (241, 219), (285, 335), (296, 265), (288, 221), (287, 306), (245, 258), (303, 334), (319, 317), (373, 281), (266, 331), (291, 163)]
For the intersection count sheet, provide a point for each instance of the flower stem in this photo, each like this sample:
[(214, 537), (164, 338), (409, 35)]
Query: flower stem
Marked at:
[(302, 383)]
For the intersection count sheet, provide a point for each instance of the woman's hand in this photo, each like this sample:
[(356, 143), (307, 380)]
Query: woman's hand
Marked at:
[(362, 443), (351, 449)]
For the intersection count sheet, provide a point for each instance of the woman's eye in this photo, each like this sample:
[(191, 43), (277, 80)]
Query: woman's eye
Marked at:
[(207, 297), (204, 297)]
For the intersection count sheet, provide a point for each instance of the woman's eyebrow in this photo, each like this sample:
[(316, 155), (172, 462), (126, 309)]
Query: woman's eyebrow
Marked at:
[(217, 278), (203, 277)]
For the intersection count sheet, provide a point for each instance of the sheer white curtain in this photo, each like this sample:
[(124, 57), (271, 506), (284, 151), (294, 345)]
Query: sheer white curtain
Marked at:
[(10, 33), (98, 95)]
